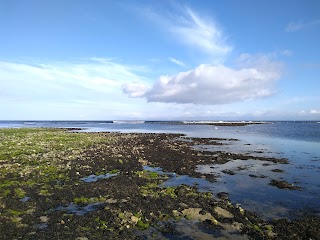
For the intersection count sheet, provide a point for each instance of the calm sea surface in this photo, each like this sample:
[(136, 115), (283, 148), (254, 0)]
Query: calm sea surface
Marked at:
[(299, 142)]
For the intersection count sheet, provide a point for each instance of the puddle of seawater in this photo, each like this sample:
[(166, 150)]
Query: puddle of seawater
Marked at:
[(257, 150), (158, 170), (78, 210), (253, 193), (250, 166), (25, 199), (94, 178), (41, 226), (177, 180)]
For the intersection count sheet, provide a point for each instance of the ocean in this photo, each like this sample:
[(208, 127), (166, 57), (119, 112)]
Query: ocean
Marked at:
[(299, 142)]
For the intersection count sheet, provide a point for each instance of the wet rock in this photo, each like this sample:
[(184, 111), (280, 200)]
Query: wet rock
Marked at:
[(222, 212), (233, 227), (257, 176), (111, 200), (194, 213), (176, 214), (284, 185), (223, 195), (277, 170), (228, 171), (241, 210)]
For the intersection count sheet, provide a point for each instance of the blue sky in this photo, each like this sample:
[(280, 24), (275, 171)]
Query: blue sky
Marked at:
[(105, 60)]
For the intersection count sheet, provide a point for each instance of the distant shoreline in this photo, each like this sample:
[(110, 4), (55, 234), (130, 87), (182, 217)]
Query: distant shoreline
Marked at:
[(215, 123)]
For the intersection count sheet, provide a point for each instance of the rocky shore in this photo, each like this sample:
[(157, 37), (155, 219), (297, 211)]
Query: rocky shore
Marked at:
[(58, 184)]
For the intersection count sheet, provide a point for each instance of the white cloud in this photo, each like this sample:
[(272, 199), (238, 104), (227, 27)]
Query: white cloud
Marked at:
[(194, 30), (176, 61), (217, 84), (135, 89), (297, 26), (310, 112), (314, 111), (200, 32), (93, 79)]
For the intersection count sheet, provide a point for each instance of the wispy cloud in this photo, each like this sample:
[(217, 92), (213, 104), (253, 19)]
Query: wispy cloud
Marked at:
[(297, 26), (200, 32), (92, 79), (195, 31), (176, 61), (287, 53)]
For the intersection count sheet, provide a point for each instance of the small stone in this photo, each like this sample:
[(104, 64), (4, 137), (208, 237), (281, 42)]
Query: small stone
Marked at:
[(241, 210), (17, 219), (44, 219), (214, 221), (30, 210), (62, 222), (271, 234), (111, 200), (176, 213), (134, 219), (82, 238)]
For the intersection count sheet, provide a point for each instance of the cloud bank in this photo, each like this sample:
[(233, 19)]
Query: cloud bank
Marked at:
[(210, 84)]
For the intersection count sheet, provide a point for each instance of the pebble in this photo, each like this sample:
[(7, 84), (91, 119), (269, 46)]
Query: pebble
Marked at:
[(44, 219)]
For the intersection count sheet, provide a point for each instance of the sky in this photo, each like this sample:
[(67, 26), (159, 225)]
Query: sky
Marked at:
[(160, 60)]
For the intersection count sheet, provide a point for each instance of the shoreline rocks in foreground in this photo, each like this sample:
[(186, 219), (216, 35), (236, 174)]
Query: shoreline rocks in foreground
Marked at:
[(56, 184)]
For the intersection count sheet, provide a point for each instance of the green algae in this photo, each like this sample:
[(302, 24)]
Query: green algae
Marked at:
[(147, 174), (6, 192), (20, 193), (15, 212), (153, 189), (143, 225), (86, 200), (113, 171), (44, 192)]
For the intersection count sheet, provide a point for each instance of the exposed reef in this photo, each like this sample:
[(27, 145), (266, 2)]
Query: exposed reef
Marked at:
[(57, 184)]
